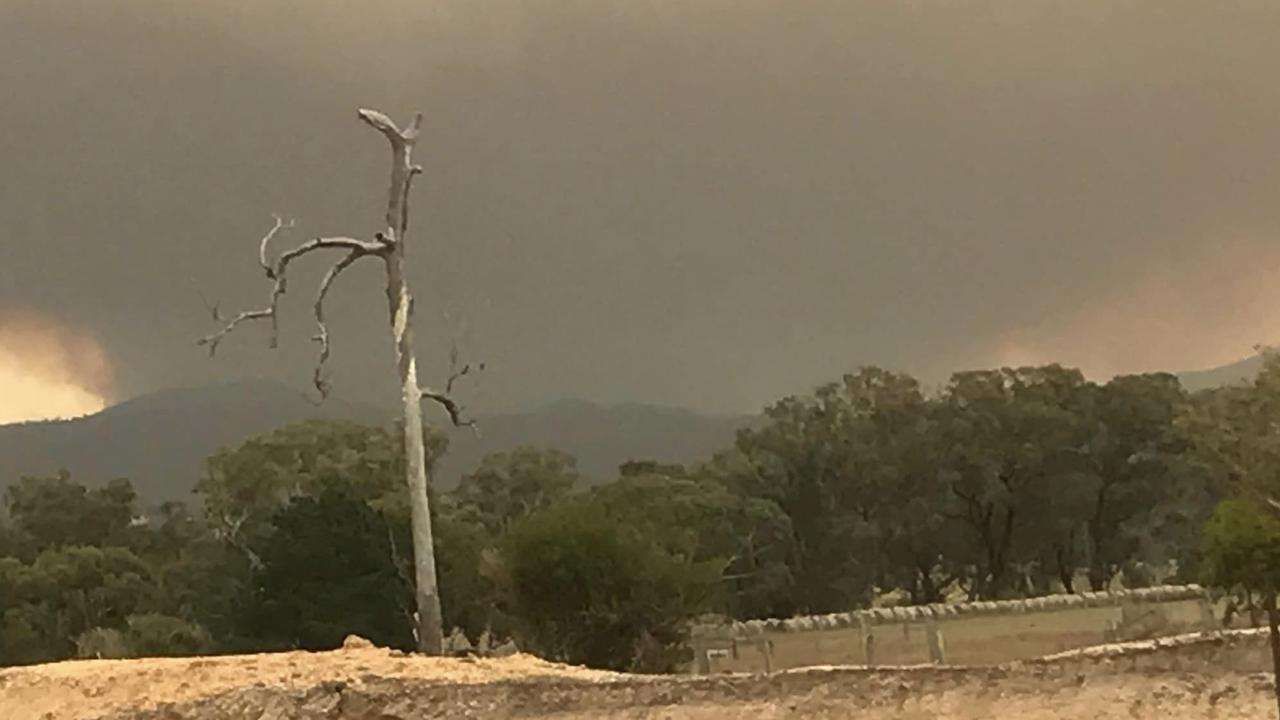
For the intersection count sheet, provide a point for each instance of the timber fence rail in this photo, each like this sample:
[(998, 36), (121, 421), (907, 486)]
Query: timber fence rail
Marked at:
[(973, 633)]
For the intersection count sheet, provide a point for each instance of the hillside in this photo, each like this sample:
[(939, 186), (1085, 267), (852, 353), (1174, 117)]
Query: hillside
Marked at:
[(1240, 371), (159, 440)]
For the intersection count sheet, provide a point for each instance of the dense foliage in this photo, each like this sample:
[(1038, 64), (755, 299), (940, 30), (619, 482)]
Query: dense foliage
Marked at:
[(1003, 483)]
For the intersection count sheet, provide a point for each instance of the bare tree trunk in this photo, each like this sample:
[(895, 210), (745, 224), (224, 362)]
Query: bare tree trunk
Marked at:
[(389, 244), (430, 629)]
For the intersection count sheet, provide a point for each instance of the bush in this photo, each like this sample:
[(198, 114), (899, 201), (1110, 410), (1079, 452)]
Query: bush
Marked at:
[(104, 643), (1240, 546), (155, 635), (21, 640), (468, 593), (327, 573), (584, 589)]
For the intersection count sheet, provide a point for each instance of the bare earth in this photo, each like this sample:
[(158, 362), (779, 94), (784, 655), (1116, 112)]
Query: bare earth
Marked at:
[(1185, 678)]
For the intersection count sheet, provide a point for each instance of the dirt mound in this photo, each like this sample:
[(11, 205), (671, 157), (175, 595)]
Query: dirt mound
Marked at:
[(84, 689), (1194, 677), (900, 694)]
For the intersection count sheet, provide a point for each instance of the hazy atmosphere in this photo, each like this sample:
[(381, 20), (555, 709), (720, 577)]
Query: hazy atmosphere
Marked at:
[(708, 204), (616, 359)]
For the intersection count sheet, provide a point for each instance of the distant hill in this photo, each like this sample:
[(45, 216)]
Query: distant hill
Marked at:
[(601, 437), (1241, 371), (159, 440)]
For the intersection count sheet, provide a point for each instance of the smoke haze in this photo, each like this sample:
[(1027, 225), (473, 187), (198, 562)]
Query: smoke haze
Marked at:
[(704, 203), (48, 370)]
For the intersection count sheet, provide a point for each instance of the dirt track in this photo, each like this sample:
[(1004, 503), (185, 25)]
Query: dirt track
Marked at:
[(1188, 679)]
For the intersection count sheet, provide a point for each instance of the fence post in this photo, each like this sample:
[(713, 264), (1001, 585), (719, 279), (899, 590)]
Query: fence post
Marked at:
[(937, 646), (701, 663), (1208, 620), (868, 642)]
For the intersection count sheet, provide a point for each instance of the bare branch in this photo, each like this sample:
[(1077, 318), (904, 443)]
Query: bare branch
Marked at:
[(382, 124), (454, 377), (411, 133), (277, 273), (230, 531), (212, 307), (344, 243), (456, 373), (403, 170), (266, 240), (385, 125), (445, 399), (451, 407), (322, 335), (213, 340)]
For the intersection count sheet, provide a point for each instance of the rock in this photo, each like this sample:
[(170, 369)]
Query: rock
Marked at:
[(506, 649), (457, 643), (355, 642)]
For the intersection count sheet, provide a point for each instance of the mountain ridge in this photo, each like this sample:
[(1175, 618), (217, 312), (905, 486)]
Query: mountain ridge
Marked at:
[(1243, 370), (159, 440)]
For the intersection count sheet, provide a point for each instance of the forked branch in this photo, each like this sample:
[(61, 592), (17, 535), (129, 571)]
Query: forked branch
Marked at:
[(266, 240), (214, 311), (450, 406), (319, 379), (385, 125), (277, 273), (445, 399), (403, 170)]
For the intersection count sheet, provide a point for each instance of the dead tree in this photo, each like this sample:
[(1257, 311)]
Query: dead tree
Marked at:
[(387, 245)]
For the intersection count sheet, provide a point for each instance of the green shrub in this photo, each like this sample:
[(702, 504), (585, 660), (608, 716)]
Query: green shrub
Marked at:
[(587, 590), (155, 635), (104, 643)]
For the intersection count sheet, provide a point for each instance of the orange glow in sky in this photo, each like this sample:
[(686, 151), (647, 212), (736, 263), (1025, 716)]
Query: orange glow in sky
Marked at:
[(1165, 319), (48, 370)]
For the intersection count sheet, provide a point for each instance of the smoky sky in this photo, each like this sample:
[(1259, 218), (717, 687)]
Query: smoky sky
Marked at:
[(706, 202)]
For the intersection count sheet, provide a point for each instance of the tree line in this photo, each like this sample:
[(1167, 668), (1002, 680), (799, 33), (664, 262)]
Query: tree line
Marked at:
[(1002, 483)]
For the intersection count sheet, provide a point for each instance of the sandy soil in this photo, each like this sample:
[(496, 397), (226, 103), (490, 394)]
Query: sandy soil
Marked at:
[(1189, 679), (91, 688)]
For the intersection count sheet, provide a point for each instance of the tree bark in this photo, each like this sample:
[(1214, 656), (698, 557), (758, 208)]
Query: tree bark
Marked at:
[(430, 630), (430, 623), (1066, 566)]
